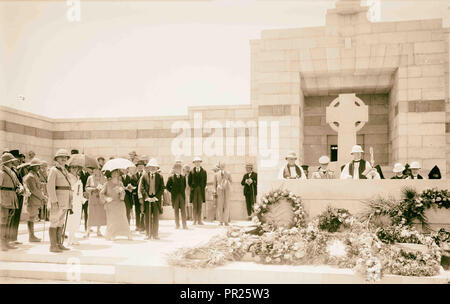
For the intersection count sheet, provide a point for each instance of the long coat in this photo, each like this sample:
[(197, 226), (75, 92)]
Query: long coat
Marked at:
[(144, 187), (252, 188), (9, 180), (33, 183), (176, 186), (197, 179), (56, 178)]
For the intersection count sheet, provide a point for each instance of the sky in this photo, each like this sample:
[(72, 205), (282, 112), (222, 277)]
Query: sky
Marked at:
[(147, 58)]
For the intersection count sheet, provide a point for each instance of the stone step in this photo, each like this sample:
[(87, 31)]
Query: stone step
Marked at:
[(58, 258), (63, 272)]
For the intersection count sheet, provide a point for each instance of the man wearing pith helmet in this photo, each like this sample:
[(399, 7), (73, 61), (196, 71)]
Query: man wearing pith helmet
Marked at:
[(10, 188), (358, 168), (60, 199), (37, 198), (323, 172)]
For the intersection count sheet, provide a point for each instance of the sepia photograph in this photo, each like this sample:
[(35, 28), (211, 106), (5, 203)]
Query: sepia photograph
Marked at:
[(223, 147)]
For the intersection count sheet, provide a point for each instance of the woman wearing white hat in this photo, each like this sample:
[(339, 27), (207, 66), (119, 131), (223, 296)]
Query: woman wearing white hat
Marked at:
[(358, 168), (323, 172), (398, 170), (415, 168), (291, 170)]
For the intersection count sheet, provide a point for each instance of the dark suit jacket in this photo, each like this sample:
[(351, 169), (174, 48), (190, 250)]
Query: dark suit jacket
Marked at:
[(126, 179), (197, 179), (248, 188), (176, 186), (84, 177), (144, 188)]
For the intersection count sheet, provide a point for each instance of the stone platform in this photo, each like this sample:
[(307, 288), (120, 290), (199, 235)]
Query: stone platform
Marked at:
[(97, 260)]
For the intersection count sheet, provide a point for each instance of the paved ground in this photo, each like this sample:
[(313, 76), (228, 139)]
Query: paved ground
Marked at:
[(137, 251)]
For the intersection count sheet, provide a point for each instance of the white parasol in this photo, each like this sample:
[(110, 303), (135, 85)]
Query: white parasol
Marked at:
[(117, 163)]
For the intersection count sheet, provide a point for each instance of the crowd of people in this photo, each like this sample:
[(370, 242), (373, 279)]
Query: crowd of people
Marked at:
[(358, 168), (67, 192)]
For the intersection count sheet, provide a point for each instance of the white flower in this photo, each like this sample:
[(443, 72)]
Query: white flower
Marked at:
[(275, 194), (337, 249), (268, 259)]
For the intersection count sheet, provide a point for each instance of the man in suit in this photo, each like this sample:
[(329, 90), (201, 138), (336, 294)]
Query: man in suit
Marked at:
[(176, 185), (250, 182), (222, 186), (128, 182), (60, 196), (323, 172), (16, 218), (197, 182), (37, 198), (10, 188), (84, 174), (140, 165), (150, 190)]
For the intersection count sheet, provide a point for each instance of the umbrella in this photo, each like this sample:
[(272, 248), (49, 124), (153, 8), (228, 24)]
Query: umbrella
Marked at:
[(117, 163), (82, 160)]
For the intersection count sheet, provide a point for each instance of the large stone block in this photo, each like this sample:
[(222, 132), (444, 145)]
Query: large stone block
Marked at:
[(432, 70), (409, 25), (430, 47), (431, 129), (433, 117), (432, 59), (414, 141), (434, 141), (419, 36)]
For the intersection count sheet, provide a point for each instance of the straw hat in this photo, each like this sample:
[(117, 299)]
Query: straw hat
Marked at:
[(415, 165), (197, 159), (291, 155), (323, 160), (35, 162), (249, 165), (62, 153), (8, 157), (357, 149), (398, 167), (153, 163)]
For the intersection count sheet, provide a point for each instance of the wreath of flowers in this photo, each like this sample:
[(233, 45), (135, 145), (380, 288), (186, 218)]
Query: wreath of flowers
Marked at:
[(333, 219), (272, 197)]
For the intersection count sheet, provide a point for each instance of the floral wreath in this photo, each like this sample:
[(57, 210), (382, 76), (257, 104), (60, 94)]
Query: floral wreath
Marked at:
[(272, 197)]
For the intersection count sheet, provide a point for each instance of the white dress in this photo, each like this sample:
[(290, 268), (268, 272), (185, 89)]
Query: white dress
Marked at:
[(74, 220)]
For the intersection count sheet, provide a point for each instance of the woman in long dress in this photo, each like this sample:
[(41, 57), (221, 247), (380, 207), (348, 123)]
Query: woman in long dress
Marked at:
[(74, 219), (113, 195), (96, 210)]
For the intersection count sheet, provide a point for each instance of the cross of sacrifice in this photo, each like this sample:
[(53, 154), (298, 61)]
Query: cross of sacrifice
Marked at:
[(346, 115)]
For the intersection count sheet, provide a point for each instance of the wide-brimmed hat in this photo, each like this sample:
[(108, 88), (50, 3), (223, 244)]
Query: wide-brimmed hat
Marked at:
[(357, 149), (15, 153), (35, 162), (415, 165), (100, 157), (152, 163), (62, 152), (291, 155), (398, 167), (7, 158), (197, 159), (248, 165), (24, 165), (323, 160)]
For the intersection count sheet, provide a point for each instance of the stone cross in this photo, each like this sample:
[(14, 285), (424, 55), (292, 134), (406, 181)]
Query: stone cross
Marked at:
[(346, 115)]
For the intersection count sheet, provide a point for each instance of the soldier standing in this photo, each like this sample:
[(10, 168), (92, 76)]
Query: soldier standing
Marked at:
[(10, 188), (60, 199), (36, 199)]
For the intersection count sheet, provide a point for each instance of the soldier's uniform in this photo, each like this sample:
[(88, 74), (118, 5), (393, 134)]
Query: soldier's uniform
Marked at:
[(60, 201), (10, 187), (36, 199)]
